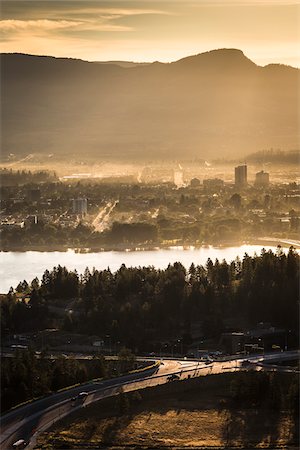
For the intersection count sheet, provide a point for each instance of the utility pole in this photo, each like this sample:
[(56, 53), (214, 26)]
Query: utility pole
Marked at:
[(286, 339)]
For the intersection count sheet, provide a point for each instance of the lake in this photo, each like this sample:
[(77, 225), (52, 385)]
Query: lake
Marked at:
[(19, 266)]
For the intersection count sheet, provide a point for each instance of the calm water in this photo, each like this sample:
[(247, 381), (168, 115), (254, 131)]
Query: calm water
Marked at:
[(19, 266)]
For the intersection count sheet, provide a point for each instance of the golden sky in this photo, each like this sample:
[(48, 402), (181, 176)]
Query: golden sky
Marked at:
[(266, 30)]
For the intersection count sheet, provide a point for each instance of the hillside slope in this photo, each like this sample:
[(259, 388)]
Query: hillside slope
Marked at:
[(217, 103)]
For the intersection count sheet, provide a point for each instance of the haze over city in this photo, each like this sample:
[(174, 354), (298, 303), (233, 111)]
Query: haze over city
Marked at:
[(218, 104)]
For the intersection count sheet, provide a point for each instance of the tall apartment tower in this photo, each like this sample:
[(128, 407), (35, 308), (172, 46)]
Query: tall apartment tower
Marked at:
[(240, 176)]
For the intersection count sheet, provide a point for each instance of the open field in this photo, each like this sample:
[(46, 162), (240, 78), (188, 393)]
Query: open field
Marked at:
[(196, 413)]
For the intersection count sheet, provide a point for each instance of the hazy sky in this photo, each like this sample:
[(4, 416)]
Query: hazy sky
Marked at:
[(266, 30)]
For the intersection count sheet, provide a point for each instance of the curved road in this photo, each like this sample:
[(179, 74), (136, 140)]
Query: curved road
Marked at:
[(25, 422)]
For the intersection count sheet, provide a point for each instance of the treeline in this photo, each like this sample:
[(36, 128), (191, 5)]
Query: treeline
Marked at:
[(132, 232), (49, 235), (273, 392), (275, 156), (45, 234), (27, 376), (10, 177), (140, 306), (279, 391)]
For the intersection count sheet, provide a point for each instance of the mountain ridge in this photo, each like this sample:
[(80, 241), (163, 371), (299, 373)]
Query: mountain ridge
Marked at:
[(217, 103), (215, 52)]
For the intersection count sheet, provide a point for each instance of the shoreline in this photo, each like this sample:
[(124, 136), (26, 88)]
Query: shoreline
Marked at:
[(267, 241), (40, 260)]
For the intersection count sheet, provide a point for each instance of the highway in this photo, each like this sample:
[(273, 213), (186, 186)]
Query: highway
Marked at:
[(27, 421)]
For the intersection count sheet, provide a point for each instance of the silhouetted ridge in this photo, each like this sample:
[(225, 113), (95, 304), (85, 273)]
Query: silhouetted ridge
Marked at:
[(280, 68), (221, 59), (19, 65), (199, 106)]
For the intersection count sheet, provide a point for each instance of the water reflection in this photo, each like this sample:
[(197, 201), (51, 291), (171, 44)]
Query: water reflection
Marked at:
[(19, 266)]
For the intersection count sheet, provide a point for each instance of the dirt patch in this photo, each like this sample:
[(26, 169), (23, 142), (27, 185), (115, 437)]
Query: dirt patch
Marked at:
[(194, 413)]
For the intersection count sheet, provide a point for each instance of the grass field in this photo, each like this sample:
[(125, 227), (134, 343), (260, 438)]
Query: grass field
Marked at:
[(192, 414)]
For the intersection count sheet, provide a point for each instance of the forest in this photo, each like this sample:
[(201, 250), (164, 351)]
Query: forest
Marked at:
[(10, 177), (275, 156), (140, 307), (30, 375)]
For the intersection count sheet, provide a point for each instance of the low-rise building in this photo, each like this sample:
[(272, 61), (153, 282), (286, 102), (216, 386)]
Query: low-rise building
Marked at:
[(213, 184), (262, 178), (195, 182)]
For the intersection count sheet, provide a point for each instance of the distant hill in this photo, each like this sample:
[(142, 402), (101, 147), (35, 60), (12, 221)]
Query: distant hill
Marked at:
[(274, 157), (214, 104)]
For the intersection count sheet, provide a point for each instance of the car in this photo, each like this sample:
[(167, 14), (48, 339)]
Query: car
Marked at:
[(173, 377), (208, 360), (21, 443), (82, 395), (74, 401), (246, 362)]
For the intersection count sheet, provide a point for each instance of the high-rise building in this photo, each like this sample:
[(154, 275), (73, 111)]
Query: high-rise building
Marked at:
[(178, 177), (80, 206), (240, 176), (262, 178)]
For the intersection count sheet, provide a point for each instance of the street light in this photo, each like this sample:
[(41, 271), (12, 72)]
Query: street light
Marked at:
[(286, 339), (108, 336), (261, 341), (180, 342), (161, 346)]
